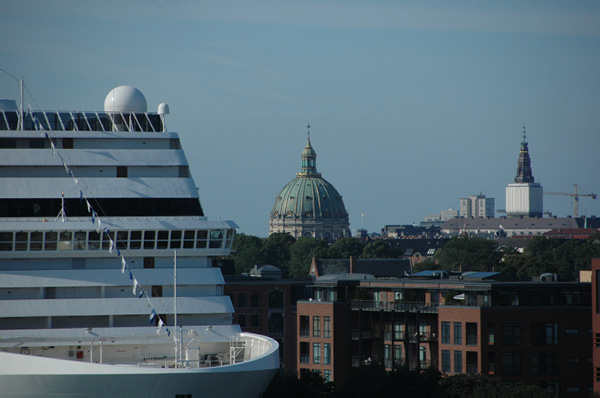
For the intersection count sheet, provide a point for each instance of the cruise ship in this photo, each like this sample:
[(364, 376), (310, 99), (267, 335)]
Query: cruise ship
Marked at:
[(109, 276)]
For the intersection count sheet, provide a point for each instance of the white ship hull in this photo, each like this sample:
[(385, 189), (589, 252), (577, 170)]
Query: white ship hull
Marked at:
[(109, 285), (33, 376)]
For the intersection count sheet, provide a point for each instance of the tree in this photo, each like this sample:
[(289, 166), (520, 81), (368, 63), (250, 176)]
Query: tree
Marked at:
[(478, 254), (345, 247), (379, 249), (276, 250), (310, 385), (374, 381), (426, 265), (302, 252), (477, 385), (246, 252)]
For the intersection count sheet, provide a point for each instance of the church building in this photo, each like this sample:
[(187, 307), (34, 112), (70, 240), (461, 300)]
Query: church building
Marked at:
[(309, 205), (524, 197)]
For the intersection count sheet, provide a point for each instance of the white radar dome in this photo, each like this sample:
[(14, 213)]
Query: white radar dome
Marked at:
[(125, 99), (163, 109)]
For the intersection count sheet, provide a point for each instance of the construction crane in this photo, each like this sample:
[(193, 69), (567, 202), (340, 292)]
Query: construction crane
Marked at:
[(575, 197)]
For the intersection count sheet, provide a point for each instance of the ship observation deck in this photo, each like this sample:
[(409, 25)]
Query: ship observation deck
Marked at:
[(81, 121)]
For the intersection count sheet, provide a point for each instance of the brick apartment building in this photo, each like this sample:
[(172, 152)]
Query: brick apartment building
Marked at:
[(267, 305), (596, 323), (523, 332)]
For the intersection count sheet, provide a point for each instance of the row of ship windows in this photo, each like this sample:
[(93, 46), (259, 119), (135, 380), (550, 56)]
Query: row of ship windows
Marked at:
[(124, 240)]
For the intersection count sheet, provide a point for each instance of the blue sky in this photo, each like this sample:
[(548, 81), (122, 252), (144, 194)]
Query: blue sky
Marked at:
[(412, 104)]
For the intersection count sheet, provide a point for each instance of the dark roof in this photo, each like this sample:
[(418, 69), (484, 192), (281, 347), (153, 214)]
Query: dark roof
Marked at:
[(410, 247), (380, 268)]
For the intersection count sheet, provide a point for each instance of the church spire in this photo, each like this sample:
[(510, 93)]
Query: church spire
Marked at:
[(524, 167), (309, 159)]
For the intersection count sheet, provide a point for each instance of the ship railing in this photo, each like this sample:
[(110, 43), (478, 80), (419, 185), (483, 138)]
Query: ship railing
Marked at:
[(81, 121)]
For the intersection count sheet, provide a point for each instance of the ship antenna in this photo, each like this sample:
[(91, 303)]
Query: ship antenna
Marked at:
[(62, 214)]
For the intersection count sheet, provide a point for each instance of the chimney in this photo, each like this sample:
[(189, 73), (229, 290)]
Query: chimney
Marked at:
[(353, 264)]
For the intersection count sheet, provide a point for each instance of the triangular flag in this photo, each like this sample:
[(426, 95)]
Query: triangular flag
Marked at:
[(135, 285), (124, 264), (152, 316)]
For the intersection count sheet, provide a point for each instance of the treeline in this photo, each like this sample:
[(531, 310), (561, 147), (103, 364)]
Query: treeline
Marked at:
[(293, 256), (564, 257), (374, 381)]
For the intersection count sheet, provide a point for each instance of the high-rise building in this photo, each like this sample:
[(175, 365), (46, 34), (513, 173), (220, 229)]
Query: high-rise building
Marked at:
[(309, 205), (524, 197), (476, 206)]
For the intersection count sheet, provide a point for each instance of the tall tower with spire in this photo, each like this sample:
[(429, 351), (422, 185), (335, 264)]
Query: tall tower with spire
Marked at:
[(524, 197), (309, 205)]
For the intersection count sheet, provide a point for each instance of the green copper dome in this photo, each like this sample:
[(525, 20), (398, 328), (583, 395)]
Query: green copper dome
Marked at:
[(309, 205)]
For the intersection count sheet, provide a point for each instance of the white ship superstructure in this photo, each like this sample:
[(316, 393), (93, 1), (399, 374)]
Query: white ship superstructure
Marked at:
[(103, 248)]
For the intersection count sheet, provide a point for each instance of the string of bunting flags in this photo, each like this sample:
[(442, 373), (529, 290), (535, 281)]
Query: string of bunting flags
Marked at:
[(138, 289)]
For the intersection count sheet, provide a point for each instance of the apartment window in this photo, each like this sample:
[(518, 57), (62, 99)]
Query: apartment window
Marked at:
[(423, 355), (446, 361), (512, 363), (446, 333), (492, 362), (458, 333), (471, 333), (327, 354), (275, 323), (304, 326), (327, 326), (544, 333), (327, 375), (254, 321), (242, 300), (304, 352), (398, 354), (316, 326), (543, 363), (387, 356), (511, 334), (398, 335), (276, 300), (458, 362), (317, 353), (491, 333), (254, 300), (472, 363)]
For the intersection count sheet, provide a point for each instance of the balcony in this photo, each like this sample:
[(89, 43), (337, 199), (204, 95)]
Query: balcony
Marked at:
[(398, 306)]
